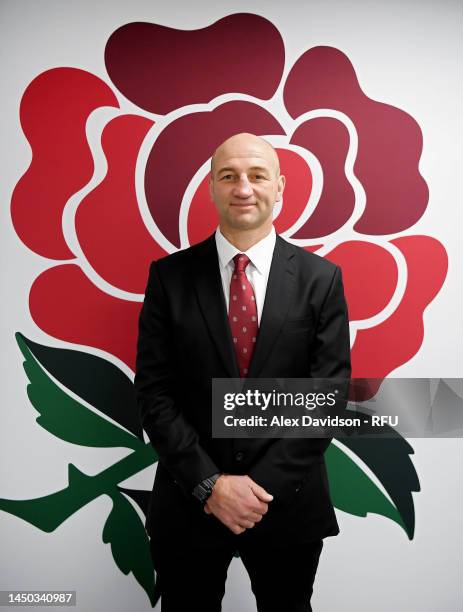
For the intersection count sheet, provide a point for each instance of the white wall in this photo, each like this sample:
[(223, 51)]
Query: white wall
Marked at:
[(405, 53)]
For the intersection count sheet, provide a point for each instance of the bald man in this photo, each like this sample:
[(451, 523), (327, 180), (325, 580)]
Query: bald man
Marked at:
[(243, 303)]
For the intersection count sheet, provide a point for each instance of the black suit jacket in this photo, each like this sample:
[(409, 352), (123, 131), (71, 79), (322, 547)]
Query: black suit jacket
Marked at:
[(185, 341)]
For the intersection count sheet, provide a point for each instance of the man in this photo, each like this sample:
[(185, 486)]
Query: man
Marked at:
[(243, 303)]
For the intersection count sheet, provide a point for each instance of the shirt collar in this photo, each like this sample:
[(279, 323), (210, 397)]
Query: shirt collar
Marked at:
[(260, 253)]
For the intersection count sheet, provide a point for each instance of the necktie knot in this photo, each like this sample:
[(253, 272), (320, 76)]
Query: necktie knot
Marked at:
[(241, 261)]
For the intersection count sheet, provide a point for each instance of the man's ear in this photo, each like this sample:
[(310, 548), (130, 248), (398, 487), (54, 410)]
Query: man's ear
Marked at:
[(281, 187), (210, 189)]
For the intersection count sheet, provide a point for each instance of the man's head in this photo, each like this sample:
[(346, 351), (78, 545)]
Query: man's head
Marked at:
[(245, 182)]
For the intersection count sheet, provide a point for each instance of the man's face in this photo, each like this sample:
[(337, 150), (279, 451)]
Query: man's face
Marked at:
[(245, 183)]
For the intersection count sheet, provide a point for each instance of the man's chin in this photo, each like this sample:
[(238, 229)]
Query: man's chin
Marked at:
[(246, 221), (245, 224)]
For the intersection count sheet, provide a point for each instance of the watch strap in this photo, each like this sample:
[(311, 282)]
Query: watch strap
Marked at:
[(203, 490)]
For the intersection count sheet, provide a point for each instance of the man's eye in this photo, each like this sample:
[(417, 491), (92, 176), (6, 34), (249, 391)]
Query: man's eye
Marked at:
[(226, 177)]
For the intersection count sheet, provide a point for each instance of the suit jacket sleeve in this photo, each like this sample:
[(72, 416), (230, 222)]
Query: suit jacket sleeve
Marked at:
[(173, 437), (287, 461)]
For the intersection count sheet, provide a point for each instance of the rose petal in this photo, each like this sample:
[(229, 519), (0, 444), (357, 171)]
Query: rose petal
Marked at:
[(161, 69), (65, 304), (109, 226), (381, 349), (312, 248), (389, 140), (297, 190), (183, 147), (328, 140), (202, 214), (54, 111), (369, 275)]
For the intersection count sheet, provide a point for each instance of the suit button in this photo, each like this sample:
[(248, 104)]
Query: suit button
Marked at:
[(239, 456)]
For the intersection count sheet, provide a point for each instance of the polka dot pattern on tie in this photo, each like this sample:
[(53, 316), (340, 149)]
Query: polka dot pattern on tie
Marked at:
[(242, 314)]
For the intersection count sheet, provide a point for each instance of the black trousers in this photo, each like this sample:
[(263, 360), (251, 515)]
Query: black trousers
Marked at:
[(193, 577)]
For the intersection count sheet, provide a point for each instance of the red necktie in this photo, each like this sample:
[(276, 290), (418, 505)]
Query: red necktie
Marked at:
[(242, 314)]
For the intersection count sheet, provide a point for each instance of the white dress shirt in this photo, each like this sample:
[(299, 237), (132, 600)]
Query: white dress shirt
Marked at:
[(257, 270)]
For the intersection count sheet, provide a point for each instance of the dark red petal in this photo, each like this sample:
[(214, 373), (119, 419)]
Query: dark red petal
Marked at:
[(183, 147), (312, 248), (328, 140), (66, 305), (54, 111), (389, 140), (369, 275), (202, 214), (109, 226), (161, 69), (380, 350), (297, 191)]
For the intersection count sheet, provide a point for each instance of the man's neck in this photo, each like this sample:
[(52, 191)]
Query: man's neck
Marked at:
[(243, 240)]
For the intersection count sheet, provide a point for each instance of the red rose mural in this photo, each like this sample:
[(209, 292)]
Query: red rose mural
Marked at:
[(141, 192), (119, 177)]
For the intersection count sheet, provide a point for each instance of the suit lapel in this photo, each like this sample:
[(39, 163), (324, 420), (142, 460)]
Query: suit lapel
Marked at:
[(209, 290), (278, 296)]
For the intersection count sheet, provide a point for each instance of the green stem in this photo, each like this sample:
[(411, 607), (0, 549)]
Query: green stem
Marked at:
[(48, 512)]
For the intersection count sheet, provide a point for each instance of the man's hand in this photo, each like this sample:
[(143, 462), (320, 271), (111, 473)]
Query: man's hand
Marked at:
[(238, 502)]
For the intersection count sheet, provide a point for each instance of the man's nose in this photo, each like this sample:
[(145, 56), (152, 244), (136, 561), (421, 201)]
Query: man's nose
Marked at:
[(243, 187)]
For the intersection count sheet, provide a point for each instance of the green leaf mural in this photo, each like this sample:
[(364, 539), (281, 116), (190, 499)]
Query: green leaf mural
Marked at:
[(129, 543), (95, 380), (65, 417), (68, 419), (353, 491), (389, 460)]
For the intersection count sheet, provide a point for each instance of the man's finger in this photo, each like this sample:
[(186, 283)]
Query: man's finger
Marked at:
[(260, 492), (259, 507), (247, 524)]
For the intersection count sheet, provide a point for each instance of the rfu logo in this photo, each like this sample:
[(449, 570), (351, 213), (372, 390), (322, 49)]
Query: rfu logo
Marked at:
[(381, 421)]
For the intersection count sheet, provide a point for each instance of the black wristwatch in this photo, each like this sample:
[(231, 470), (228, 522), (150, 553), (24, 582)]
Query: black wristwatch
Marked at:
[(203, 490)]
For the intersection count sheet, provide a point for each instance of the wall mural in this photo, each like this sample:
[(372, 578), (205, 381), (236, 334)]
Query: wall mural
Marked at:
[(118, 178)]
